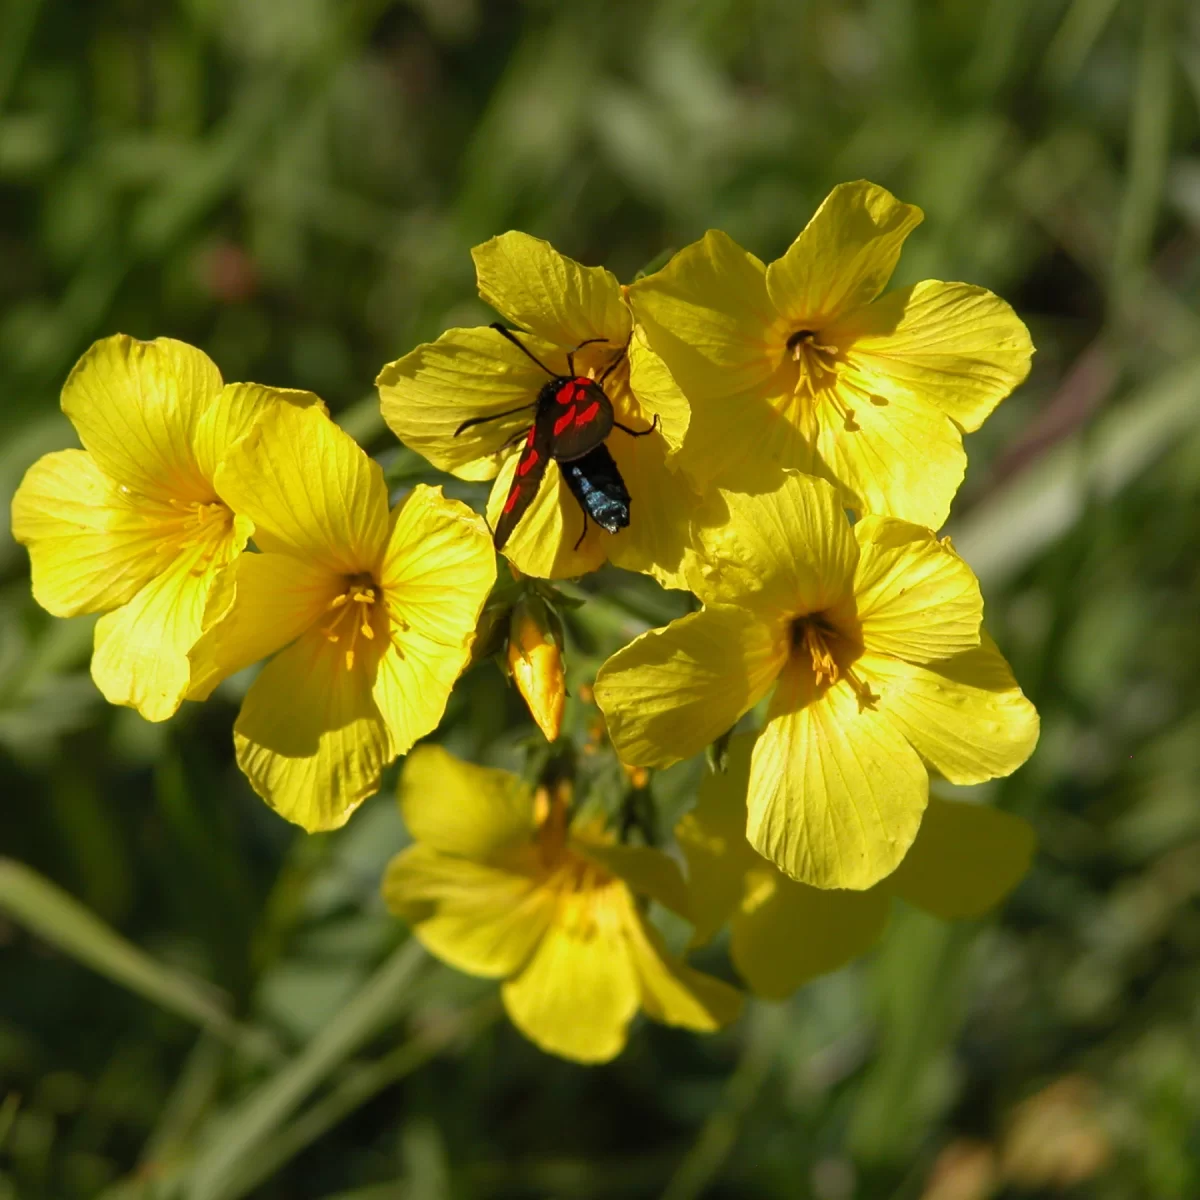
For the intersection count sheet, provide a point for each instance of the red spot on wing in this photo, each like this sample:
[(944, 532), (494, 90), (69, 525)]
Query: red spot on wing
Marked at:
[(528, 462), (566, 420), (589, 414), (514, 494)]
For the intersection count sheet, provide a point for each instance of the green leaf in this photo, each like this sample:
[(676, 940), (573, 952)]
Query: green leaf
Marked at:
[(58, 918)]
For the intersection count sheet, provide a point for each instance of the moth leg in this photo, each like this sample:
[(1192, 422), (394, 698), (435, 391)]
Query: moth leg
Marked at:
[(579, 542), (571, 353), (637, 432)]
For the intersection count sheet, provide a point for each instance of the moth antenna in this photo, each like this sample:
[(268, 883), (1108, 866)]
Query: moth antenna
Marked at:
[(494, 417), (512, 337)]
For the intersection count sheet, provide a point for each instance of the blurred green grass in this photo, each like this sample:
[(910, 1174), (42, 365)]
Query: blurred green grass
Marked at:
[(294, 186)]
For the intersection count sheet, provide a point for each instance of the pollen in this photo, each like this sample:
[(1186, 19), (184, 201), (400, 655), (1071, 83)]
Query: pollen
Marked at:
[(353, 611), (817, 375), (198, 525), (831, 654)]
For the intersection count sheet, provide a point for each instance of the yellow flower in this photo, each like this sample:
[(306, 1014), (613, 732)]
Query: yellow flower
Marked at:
[(497, 886), (803, 364), (472, 373), (372, 612), (871, 640), (965, 860), (535, 661), (132, 526)]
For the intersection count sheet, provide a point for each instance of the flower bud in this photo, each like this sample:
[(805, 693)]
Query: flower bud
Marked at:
[(535, 661)]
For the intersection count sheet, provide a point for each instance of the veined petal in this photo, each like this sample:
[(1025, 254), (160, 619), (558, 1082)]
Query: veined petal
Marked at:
[(90, 548), (543, 543), (263, 602), (713, 840), (965, 715), (140, 657), (437, 571), (836, 792), (527, 281), (786, 553), (309, 737), (309, 489), (951, 345), (708, 314), (578, 993), (480, 919), (894, 454), (136, 406), (844, 256), (965, 860), (657, 392), (457, 808), (915, 598), (671, 691), (232, 413), (674, 993), (662, 504), (789, 933), (463, 376)]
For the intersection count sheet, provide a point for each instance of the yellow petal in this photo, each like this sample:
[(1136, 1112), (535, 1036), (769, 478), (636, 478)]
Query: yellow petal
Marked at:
[(647, 871), (480, 919), (309, 737), (657, 391), (844, 256), (836, 793), (916, 599), (947, 344), (232, 413), (309, 489), (437, 571), (708, 315), (141, 650), (785, 552), (713, 840), (528, 282), (662, 504), (90, 548), (792, 932), (466, 374), (671, 691), (965, 860), (899, 455), (136, 406), (458, 808), (543, 545), (264, 602), (965, 715), (578, 993), (674, 993)]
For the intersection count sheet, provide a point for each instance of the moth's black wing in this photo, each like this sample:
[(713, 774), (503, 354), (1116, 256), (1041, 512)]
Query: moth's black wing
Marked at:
[(531, 468)]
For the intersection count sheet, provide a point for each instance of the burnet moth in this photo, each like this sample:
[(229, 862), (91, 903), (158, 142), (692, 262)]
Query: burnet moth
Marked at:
[(572, 417)]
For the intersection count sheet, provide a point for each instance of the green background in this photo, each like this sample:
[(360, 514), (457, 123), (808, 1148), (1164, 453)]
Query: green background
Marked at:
[(294, 186)]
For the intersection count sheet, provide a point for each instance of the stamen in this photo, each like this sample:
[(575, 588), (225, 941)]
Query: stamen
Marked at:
[(350, 622)]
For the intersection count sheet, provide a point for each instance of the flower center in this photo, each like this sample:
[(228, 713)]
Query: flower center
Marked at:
[(831, 654), (817, 374), (354, 610), (204, 525)]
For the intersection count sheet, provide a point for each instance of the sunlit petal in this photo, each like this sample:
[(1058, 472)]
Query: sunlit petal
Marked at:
[(309, 737), (671, 691), (529, 283), (844, 256), (836, 792), (91, 549), (136, 406)]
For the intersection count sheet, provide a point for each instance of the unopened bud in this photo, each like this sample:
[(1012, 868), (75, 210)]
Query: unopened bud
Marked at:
[(535, 660)]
